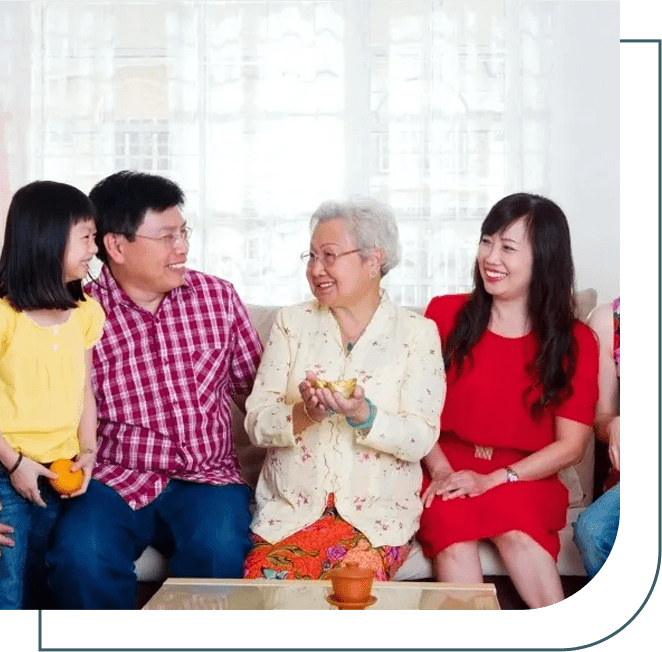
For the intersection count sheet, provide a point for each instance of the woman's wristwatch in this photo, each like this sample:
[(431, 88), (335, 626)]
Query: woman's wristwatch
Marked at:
[(511, 475)]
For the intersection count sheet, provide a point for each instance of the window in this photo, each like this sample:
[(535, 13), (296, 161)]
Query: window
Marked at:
[(261, 110)]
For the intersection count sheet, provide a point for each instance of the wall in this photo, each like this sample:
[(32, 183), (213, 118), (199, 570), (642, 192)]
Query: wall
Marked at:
[(585, 115)]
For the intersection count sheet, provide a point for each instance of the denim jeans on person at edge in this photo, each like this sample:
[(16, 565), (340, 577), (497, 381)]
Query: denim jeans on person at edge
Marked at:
[(596, 529)]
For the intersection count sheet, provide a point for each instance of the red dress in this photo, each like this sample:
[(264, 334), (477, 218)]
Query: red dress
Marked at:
[(485, 407)]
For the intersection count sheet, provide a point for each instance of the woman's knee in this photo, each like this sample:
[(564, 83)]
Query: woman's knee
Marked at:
[(514, 542), (459, 552)]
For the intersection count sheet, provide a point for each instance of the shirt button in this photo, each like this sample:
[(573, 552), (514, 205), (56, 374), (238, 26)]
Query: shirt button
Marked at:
[(55, 347)]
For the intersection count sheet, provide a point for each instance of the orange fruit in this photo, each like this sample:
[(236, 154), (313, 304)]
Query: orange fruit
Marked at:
[(66, 482)]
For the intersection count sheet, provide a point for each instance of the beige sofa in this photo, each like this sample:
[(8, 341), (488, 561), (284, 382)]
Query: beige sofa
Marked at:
[(153, 567)]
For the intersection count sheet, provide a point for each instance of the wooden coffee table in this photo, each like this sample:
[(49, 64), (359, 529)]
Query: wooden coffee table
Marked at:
[(191, 593)]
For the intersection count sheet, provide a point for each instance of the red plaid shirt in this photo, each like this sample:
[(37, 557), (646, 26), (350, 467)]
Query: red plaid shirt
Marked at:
[(163, 384)]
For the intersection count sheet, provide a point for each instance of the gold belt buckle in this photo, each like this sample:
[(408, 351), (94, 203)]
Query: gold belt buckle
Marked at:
[(483, 452)]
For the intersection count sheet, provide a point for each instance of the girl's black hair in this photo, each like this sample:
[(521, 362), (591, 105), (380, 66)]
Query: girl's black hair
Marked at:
[(39, 220), (551, 302)]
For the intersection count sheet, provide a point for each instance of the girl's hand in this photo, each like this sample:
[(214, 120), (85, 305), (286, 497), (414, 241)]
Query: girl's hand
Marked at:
[(313, 408), (85, 461), (25, 479), (434, 488), (614, 432), (464, 483)]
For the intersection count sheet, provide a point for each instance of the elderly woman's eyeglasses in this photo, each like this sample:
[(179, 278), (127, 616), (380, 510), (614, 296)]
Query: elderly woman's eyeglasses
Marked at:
[(170, 240), (327, 258)]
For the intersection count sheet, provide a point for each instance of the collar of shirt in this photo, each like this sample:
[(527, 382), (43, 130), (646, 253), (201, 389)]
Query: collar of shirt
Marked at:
[(116, 295)]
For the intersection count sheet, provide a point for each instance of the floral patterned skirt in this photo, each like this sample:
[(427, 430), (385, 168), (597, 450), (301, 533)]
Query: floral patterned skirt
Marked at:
[(328, 543)]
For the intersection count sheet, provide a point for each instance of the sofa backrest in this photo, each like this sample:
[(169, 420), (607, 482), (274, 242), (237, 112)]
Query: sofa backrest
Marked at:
[(578, 479)]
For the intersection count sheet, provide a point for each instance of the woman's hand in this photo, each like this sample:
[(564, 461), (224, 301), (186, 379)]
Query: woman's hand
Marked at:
[(85, 461), (25, 479), (313, 407), (614, 432), (6, 530), (355, 407), (434, 488), (465, 483)]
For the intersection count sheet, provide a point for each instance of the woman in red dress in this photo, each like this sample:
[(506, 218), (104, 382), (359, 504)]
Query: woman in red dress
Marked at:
[(522, 387)]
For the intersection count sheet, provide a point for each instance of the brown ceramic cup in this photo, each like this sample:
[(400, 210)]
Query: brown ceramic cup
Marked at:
[(352, 583)]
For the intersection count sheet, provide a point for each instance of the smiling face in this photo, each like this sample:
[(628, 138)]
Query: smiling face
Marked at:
[(505, 261), (155, 262), (80, 251), (350, 278)]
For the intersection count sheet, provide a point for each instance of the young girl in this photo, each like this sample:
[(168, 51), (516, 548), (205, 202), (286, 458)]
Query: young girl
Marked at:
[(47, 408)]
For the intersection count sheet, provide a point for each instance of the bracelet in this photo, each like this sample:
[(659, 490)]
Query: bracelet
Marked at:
[(85, 451), (367, 424), (305, 411), (18, 461)]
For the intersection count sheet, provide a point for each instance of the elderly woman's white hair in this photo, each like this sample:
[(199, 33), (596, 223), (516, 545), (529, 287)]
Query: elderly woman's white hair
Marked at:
[(371, 223)]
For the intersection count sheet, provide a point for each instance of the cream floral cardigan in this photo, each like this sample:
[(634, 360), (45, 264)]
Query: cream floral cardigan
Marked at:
[(376, 478)]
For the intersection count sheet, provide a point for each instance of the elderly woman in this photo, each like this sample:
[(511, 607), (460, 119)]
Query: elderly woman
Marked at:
[(342, 476)]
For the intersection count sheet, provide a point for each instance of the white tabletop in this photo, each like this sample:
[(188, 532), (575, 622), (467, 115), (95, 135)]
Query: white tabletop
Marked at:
[(192, 593)]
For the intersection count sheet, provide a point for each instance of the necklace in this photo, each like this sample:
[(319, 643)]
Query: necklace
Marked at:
[(351, 344), (351, 341)]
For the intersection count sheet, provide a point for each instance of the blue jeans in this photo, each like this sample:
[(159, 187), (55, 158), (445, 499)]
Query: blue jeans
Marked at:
[(23, 566), (204, 529), (596, 529)]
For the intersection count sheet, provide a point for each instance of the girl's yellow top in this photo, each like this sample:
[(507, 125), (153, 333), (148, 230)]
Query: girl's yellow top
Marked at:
[(42, 378)]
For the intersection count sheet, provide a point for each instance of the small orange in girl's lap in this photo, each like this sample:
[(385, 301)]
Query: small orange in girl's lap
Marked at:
[(66, 482)]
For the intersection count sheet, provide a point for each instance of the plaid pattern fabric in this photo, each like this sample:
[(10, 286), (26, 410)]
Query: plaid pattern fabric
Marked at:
[(163, 384)]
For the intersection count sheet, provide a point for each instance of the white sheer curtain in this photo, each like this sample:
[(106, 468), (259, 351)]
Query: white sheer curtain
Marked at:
[(261, 110)]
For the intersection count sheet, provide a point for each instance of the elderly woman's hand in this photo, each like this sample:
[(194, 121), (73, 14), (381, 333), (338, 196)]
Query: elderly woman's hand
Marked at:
[(312, 405), (356, 407)]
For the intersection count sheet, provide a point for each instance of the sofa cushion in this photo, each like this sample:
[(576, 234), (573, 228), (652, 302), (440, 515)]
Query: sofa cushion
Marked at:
[(579, 479)]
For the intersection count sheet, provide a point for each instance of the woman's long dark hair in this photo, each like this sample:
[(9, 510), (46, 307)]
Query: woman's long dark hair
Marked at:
[(551, 302)]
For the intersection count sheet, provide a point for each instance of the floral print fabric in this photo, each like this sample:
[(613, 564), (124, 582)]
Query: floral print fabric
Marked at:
[(375, 477), (328, 543)]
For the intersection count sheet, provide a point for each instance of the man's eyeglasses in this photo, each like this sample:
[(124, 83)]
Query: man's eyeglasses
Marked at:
[(170, 240), (327, 258)]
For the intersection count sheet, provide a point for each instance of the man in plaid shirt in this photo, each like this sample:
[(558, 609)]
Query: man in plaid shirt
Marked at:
[(177, 345)]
